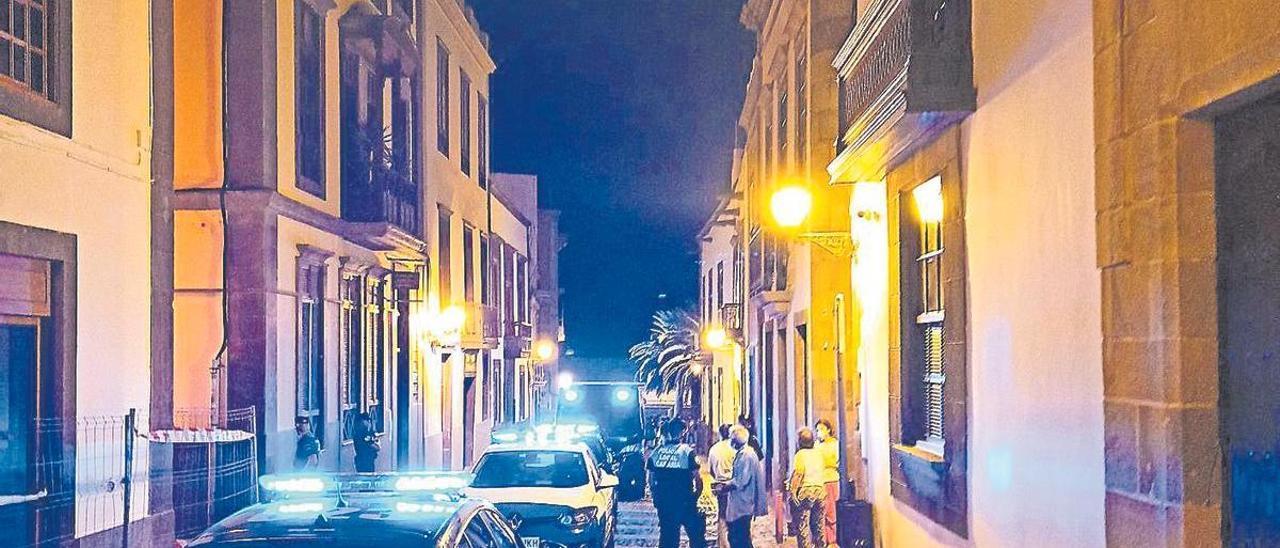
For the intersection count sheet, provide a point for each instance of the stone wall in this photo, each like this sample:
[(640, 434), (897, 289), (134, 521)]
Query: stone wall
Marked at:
[(1164, 69)]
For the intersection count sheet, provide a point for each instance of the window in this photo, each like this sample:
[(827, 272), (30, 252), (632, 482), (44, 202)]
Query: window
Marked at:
[(928, 198), (929, 430), (375, 346), (464, 120), (522, 288), (468, 264), (309, 108), (445, 244), (783, 136), (486, 396), (482, 140), (442, 97), (35, 72), (802, 103), (310, 379), (353, 367), (486, 271), (719, 285)]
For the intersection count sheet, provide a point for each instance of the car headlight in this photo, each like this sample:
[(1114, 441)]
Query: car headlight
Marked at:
[(578, 520)]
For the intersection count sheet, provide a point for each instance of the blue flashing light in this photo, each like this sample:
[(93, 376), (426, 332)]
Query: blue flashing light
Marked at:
[(622, 395), (292, 484), (571, 395)]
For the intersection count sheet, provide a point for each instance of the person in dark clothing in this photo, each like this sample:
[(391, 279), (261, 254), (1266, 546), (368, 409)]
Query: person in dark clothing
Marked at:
[(306, 455), (676, 485), (365, 442)]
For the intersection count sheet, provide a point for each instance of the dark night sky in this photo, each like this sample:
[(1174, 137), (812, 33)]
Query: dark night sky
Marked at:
[(625, 109)]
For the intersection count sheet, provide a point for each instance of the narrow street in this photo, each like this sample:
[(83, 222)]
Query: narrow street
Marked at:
[(638, 526)]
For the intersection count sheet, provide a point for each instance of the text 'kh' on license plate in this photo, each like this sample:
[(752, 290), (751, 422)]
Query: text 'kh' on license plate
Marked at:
[(531, 542)]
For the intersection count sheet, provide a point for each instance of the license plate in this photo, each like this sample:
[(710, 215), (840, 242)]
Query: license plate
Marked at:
[(531, 542)]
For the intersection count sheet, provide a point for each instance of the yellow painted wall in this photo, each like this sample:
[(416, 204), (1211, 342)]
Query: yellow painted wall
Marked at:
[(197, 305), (197, 94)]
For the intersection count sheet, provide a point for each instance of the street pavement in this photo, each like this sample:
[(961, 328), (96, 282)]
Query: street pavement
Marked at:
[(638, 527)]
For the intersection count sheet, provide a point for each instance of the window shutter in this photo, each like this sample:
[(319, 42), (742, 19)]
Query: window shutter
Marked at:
[(933, 380)]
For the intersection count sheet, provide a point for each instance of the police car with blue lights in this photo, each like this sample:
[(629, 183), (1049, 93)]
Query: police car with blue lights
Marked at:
[(551, 485), (361, 510)]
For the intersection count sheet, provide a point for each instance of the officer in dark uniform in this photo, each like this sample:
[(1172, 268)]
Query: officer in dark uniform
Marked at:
[(676, 485)]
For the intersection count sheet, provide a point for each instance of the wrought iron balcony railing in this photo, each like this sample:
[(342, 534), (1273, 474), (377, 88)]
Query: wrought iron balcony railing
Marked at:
[(905, 70), (731, 316)]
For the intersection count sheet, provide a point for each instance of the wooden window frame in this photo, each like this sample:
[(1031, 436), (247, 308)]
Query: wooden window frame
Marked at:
[(468, 263), (444, 255), (931, 477), (49, 109), (482, 140)]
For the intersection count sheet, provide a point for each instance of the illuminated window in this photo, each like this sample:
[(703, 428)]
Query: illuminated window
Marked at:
[(928, 340)]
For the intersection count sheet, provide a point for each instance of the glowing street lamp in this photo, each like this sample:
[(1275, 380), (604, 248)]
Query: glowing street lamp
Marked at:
[(790, 205), (545, 350), (715, 338)]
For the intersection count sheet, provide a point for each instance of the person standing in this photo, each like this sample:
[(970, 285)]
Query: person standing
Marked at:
[(306, 454), (676, 484), (745, 495), (365, 443), (720, 459), (829, 446), (807, 490)]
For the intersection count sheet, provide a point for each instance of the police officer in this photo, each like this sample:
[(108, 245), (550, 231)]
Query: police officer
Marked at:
[(676, 485)]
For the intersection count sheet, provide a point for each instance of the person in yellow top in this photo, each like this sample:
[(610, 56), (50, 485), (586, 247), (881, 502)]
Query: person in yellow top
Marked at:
[(829, 446), (806, 488)]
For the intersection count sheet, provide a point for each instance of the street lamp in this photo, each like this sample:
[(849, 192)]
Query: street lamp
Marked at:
[(715, 338), (545, 350), (791, 205)]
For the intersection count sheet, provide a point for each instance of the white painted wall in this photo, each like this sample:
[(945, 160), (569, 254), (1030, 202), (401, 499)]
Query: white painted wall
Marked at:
[(96, 186), (1035, 386)]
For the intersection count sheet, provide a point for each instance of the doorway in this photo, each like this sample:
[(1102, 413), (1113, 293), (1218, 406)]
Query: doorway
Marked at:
[(1247, 158), (468, 420)]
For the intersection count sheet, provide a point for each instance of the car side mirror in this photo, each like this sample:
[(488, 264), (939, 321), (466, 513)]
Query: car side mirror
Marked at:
[(607, 481)]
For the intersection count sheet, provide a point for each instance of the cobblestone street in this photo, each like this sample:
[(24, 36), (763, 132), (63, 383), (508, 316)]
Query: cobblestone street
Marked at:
[(638, 526)]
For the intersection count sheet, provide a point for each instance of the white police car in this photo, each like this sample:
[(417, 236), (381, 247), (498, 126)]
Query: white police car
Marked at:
[(555, 492)]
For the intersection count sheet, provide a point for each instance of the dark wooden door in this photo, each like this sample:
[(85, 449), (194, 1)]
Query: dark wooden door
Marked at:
[(1248, 196)]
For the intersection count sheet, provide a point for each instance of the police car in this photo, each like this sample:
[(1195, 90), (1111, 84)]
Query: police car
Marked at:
[(553, 488), (363, 510)]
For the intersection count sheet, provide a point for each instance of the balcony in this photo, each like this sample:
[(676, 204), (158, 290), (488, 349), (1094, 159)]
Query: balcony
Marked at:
[(480, 331), (906, 74), (375, 189), (517, 340)]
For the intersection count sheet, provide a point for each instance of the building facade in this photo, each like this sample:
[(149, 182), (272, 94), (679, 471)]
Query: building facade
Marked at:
[(1059, 250), (720, 315), (84, 263), (791, 280), (341, 249)]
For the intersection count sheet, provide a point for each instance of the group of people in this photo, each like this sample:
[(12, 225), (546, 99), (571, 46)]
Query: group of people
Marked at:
[(738, 481)]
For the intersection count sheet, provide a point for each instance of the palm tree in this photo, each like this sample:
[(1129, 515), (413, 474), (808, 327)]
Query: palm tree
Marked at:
[(672, 354)]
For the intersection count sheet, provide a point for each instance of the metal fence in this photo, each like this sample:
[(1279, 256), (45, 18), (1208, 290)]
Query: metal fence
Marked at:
[(93, 475)]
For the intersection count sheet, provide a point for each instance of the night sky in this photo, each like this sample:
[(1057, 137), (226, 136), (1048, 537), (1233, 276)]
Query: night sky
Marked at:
[(625, 109)]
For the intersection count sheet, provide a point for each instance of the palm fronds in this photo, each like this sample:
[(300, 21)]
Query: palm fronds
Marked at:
[(672, 354)]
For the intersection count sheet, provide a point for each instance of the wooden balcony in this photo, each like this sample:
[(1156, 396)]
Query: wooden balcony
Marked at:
[(906, 73)]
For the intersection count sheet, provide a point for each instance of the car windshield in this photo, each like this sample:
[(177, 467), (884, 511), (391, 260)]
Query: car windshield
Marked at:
[(531, 469)]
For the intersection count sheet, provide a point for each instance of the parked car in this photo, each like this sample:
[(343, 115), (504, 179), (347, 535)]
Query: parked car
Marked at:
[(363, 510), (557, 493)]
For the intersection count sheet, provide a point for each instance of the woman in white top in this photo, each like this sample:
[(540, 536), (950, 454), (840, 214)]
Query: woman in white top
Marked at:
[(807, 485)]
